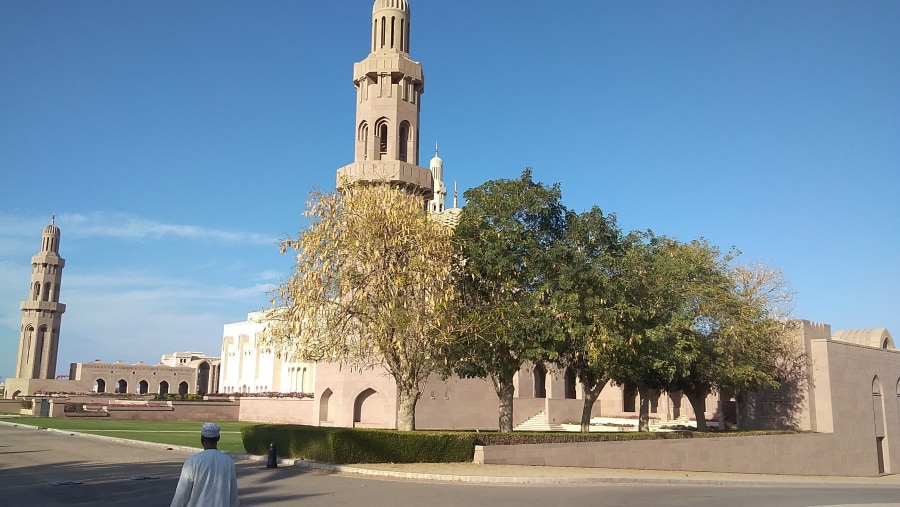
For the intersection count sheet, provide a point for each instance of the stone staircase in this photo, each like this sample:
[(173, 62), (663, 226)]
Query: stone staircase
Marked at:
[(538, 422)]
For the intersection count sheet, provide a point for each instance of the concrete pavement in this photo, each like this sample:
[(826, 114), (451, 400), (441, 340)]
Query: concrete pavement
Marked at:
[(535, 475)]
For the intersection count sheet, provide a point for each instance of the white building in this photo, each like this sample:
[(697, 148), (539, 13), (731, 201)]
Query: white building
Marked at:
[(248, 367)]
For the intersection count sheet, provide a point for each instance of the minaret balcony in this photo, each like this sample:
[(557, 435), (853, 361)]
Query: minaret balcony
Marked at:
[(412, 177), (42, 306), (389, 64)]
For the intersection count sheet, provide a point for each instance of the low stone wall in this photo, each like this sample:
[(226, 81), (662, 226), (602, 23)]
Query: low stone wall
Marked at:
[(798, 454), (10, 406), (278, 410)]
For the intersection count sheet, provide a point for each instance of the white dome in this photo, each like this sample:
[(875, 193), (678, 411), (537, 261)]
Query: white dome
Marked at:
[(401, 5)]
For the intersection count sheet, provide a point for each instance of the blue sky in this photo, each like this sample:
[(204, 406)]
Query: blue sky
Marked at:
[(177, 142)]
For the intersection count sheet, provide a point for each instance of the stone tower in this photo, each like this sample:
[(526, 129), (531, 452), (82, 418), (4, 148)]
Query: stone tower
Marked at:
[(389, 88), (42, 311)]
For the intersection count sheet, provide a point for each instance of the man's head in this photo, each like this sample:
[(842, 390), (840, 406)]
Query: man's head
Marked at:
[(209, 435)]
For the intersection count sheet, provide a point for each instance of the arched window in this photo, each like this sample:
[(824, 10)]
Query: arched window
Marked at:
[(402, 35), (99, 386), (393, 22), (143, 387), (383, 23), (47, 291), (362, 140), (37, 291), (183, 388), (381, 139), (404, 141), (122, 386), (163, 388)]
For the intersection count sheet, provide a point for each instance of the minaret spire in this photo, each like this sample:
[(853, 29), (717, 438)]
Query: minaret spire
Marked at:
[(389, 88), (42, 312)]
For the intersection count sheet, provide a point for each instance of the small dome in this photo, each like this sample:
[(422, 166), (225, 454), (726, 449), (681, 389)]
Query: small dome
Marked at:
[(52, 228), (402, 5), (436, 160)]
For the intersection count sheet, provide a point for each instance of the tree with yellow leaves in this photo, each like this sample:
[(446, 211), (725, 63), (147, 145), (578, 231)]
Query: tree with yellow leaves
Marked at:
[(370, 287)]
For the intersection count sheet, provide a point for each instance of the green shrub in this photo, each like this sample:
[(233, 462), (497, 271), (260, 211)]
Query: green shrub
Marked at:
[(27, 404), (344, 445)]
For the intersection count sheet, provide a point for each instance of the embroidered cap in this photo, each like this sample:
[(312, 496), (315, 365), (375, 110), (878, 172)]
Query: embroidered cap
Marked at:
[(209, 430)]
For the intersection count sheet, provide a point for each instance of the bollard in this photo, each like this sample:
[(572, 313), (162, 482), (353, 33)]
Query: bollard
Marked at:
[(273, 459)]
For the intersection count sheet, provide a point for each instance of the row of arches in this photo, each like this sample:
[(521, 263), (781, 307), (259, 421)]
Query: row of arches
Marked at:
[(44, 295), (143, 387), (570, 382), (385, 146)]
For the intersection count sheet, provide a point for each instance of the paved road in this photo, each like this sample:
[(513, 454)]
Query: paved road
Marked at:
[(35, 465)]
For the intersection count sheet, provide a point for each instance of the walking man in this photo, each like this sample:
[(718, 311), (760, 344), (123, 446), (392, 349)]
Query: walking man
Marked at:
[(208, 478)]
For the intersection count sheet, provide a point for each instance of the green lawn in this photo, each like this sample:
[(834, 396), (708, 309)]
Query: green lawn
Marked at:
[(174, 433)]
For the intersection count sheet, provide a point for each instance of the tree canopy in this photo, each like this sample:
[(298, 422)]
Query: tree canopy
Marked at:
[(370, 287)]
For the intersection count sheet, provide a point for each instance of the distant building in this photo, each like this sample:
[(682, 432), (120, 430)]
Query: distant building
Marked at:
[(179, 373)]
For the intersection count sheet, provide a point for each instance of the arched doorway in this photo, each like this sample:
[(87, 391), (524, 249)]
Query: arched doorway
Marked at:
[(99, 386), (122, 386), (203, 378), (183, 388), (540, 381), (163, 388), (143, 387), (881, 447), (571, 392), (360, 414), (323, 405)]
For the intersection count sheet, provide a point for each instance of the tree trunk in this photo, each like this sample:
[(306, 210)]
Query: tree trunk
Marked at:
[(590, 396), (406, 408), (505, 391), (697, 403), (644, 417)]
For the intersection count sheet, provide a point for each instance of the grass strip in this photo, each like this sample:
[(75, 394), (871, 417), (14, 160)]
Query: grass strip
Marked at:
[(181, 433)]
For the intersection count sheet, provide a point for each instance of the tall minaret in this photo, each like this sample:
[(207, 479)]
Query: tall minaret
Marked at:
[(389, 88), (436, 205), (42, 312)]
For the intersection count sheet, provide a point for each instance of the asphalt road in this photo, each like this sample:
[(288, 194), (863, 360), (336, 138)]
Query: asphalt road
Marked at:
[(42, 468)]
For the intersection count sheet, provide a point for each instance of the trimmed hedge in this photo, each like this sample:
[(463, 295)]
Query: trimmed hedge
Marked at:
[(346, 445), (349, 445)]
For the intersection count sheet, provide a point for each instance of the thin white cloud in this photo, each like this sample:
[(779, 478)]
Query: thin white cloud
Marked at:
[(21, 229), (128, 227)]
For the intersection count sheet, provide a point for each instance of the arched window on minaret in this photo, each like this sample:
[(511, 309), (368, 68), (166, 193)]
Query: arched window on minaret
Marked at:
[(375, 34), (47, 291), (381, 139), (403, 35), (404, 141), (362, 141), (383, 23), (56, 294), (37, 291), (393, 22)]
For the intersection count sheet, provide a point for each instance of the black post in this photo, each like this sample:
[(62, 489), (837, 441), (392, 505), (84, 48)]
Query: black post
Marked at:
[(273, 459)]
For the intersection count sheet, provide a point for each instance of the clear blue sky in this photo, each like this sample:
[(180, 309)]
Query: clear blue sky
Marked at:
[(177, 141)]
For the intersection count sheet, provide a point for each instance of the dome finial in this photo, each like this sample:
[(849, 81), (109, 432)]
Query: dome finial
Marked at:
[(435, 148)]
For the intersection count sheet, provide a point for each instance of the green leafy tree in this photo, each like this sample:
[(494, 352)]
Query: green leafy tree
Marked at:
[(585, 287), (371, 285), (506, 232), (652, 286)]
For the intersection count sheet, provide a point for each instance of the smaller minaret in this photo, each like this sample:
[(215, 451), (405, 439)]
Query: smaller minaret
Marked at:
[(437, 204), (42, 311)]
